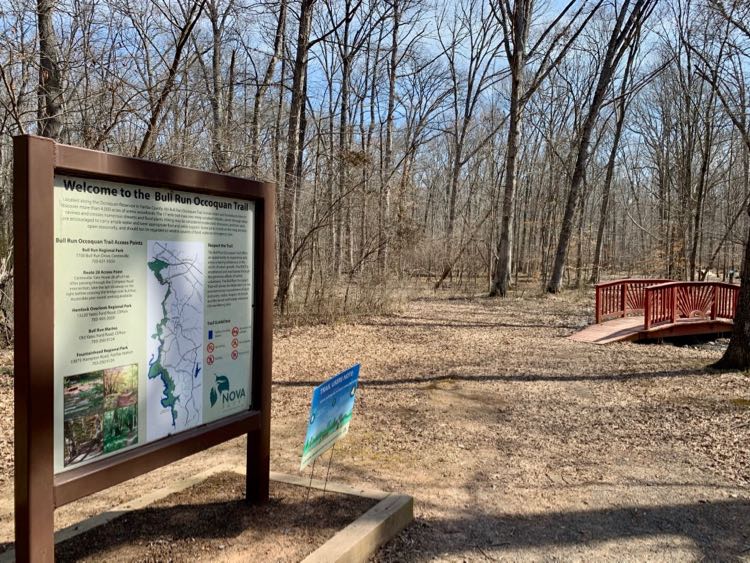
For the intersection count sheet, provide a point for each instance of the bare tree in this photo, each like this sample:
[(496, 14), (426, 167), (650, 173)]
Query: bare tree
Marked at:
[(292, 168), (621, 107), (473, 38), (730, 86), (219, 98), (263, 86), (184, 24), (460, 143), (627, 28), (50, 77), (515, 17)]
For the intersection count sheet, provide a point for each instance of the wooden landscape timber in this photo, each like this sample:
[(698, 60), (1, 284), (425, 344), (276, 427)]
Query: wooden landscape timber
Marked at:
[(391, 513)]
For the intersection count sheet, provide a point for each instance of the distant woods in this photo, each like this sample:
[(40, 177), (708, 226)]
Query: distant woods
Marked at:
[(477, 143)]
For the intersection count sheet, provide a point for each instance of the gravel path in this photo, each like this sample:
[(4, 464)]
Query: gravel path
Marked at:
[(516, 442)]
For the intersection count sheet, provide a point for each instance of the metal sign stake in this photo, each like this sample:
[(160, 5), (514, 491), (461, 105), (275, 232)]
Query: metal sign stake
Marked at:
[(330, 459), (307, 496)]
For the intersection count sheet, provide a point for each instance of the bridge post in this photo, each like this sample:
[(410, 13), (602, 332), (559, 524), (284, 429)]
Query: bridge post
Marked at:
[(624, 300), (674, 304), (714, 302), (598, 311), (646, 308)]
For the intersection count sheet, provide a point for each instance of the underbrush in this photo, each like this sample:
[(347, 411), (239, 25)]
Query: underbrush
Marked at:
[(340, 301), (329, 301)]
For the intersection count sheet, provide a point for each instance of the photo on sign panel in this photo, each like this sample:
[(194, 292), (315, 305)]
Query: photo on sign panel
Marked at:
[(83, 395), (100, 412), (120, 407), (83, 438), (120, 386), (83, 411)]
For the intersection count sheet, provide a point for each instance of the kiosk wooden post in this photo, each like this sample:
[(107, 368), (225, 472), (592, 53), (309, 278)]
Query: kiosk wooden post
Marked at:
[(34, 308), (38, 490)]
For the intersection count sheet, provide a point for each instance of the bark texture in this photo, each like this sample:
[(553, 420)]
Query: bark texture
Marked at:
[(737, 355)]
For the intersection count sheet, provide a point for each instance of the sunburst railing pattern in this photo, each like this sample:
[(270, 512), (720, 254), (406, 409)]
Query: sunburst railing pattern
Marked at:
[(674, 301), (695, 302)]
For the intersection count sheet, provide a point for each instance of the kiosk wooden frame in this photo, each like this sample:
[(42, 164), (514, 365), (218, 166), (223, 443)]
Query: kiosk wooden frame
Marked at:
[(38, 491)]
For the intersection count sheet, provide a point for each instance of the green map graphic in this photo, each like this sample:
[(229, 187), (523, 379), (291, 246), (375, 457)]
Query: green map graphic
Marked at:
[(175, 317)]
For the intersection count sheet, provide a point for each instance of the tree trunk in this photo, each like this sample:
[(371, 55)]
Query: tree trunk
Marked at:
[(605, 196), (579, 244), (50, 79), (737, 355), (160, 101), (566, 231), (702, 189), (294, 147), (620, 122), (623, 34), (453, 195), (278, 45), (501, 281), (517, 60), (216, 97), (342, 208), (385, 198)]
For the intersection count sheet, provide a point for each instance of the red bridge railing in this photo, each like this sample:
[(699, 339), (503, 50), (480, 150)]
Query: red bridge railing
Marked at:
[(621, 297), (672, 301), (666, 301)]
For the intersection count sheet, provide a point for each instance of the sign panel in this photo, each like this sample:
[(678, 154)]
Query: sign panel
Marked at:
[(330, 413), (144, 324), (153, 314)]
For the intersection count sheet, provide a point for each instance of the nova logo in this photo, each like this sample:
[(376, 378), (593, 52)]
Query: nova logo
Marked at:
[(228, 396)]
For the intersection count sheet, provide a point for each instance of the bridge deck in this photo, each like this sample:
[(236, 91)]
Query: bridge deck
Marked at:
[(610, 331), (632, 329)]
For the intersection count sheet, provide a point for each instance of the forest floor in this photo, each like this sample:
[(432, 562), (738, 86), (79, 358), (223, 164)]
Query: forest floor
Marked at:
[(516, 442)]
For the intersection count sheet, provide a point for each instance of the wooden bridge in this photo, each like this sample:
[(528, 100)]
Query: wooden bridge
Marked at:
[(643, 309)]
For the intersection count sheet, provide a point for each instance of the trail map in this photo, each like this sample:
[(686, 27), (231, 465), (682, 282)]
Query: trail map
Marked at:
[(175, 311)]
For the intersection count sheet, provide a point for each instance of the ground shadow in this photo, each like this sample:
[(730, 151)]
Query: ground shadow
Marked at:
[(514, 378), (439, 323), (719, 530), (159, 529)]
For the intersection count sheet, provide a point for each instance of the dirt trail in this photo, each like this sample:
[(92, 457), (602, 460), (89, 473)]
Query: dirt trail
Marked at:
[(516, 442)]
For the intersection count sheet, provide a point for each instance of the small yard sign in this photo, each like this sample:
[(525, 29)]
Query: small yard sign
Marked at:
[(330, 413)]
